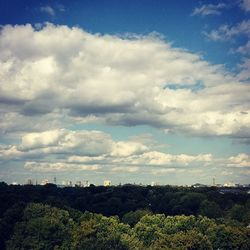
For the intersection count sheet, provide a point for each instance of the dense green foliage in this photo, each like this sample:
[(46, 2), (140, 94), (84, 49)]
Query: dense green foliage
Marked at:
[(48, 217), (46, 227)]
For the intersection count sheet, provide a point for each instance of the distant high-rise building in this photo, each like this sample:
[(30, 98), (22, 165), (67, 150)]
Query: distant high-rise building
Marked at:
[(86, 184), (107, 183), (29, 182), (214, 182), (55, 180), (69, 184)]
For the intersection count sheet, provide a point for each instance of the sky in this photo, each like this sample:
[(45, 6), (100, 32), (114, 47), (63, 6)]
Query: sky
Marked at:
[(128, 91)]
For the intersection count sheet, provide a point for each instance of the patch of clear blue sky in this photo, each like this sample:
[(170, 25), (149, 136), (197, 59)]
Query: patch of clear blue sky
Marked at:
[(198, 86)]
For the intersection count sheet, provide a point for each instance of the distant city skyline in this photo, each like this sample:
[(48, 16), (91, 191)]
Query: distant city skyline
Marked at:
[(127, 91)]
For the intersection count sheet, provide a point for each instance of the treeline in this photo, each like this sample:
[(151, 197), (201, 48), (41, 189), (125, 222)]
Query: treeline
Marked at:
[(120, 200), (227, 212), (43, 227)]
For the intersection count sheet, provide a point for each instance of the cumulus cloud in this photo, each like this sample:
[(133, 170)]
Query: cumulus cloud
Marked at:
[(125, 169), (209, 9), (240, 160), (89, 152), (68, 150), (75, 76), (156, 158), (68, 142), (123, 149)]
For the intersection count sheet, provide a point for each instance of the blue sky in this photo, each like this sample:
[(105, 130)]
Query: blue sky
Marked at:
[(131, 91)]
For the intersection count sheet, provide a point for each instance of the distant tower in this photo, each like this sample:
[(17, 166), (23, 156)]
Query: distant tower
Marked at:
[(29, 182), (55, 180), (213, 181)]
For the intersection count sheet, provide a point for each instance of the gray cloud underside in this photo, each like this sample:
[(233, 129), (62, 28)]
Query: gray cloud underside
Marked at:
[(59, 74)]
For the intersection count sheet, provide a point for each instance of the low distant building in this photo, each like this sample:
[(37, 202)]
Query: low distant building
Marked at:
[(199, 185), (107, 183), (44, 182), (155, 184), (78, 184), (69, 184), (229, 184)]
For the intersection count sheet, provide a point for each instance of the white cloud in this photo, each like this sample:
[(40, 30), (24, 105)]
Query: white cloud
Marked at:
[(240, 160), (85, 159), (58, 166), (160, 158), (227, 32), (125, 169), (245, 4), (64, 148), (244, 49), (41, 140), (65, 75), (245, 69), (65, 141), (48, 10), (209, 9), (123, 149), (52, 10)]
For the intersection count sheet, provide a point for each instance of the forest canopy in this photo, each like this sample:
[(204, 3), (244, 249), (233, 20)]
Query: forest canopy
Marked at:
[(123, 217)]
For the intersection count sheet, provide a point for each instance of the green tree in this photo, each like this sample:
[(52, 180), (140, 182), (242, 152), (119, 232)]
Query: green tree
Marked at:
[(191, 239), (149, 228), (133, 217), (229, 238), (42, 227), (98, 232), (210, 209), (238, 212), (8, 221)]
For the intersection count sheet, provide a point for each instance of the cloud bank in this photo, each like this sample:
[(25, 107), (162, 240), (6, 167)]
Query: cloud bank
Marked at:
[(59, 74), (84, 150)]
